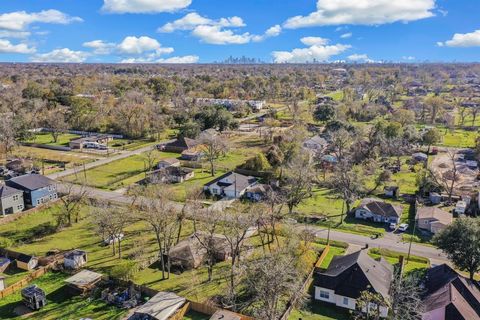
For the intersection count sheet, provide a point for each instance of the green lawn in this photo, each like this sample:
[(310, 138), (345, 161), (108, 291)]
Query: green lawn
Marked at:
[(334, 251), (458, 138), (193, 315), (315, 310), (61, 304), (47, 138), (118, 174), (415, 263)]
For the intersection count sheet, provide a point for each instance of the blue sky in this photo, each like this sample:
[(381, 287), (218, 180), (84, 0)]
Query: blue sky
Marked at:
[(175, 31)]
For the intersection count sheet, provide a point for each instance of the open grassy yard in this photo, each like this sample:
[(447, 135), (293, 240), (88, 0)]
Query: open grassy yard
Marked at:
[(61, 304), (47, 138), (458, 138), (315, 310), (117, 174), (415, 263)]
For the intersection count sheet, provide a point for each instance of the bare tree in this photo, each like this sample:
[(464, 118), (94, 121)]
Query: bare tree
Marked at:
[(405, 297), (298, 183), (55, 121), (156, 209), (73, 197), (206, 224), (7, 134), (214, 146), (102, 216)]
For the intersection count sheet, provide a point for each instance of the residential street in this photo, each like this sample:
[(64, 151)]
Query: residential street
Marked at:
[(101, 162)]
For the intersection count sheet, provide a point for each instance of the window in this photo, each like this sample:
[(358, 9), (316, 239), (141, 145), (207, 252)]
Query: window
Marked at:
[(345, 301), (15, 197), (324, 294)]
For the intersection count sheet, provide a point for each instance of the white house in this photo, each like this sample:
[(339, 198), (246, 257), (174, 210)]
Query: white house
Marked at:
[(347, 276), (315, 143), (231, 185), (378, 211), (75, 259)]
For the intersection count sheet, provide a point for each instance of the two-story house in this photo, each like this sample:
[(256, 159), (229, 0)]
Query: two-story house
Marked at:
[(11, 200), (37, 189), (348, 276)]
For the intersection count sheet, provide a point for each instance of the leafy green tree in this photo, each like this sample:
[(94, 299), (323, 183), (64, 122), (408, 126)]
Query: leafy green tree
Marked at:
[(258, 163), (460, 241), (431, 137), (324, 113)]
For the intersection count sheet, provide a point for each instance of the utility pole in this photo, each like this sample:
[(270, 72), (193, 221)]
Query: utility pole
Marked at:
[(413, 234)]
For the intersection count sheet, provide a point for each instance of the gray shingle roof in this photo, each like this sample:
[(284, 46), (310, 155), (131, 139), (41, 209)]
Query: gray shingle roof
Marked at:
[(381, 208), (32, 181), (351, 274), (6, 191)]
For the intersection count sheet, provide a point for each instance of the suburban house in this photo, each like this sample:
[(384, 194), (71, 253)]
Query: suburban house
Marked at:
[(102, 139), (433, 219), (11, 200), (315, 144), (193, 154), (231, 185), (450, 296), (169, 162), (171, 175), (378, 211), (37, 189), (20, 165), (231, 104), (190, 253), (179, 145), (347, 276)]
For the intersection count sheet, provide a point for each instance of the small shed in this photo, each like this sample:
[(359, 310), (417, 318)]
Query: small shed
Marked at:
[(84, 280), (34, 297), (435, 198), (3, 284), (4, 263), (160, 307), (169, 162), (75, 259), (391, 191), (225, 315), (26, 262)]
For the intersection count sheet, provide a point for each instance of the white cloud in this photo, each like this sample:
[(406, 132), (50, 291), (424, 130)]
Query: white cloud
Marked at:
[(465, 40), (178, 60), (346, 35), (216, 31), (217, 35), (100, 47), (144, 6), (14, 34), (312, 41), (408, 58), (133, 45), (363, 12), (21, 20), (193, 19), (8, 47), (318, 51), (359, 58), (64, 55)]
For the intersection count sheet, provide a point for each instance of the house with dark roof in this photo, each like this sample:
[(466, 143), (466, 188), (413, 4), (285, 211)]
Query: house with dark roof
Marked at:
[(450, 296), (179, 145), (378, 211), (11, 200), (231, 185), (26, 262), (171, 175), (37, 189), (348, 276)]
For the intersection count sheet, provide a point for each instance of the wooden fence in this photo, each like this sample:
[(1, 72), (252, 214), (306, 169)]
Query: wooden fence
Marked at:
[(22, 283), (294, 299)]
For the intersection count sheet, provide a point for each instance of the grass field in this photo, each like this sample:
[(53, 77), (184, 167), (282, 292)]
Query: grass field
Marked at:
[(315, 310), (47, 138), (459, 138), (415, 263), (60, 304), (117, 174)]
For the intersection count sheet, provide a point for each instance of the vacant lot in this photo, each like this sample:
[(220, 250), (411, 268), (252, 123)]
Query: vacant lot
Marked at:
[(47, 138), (118, 174)]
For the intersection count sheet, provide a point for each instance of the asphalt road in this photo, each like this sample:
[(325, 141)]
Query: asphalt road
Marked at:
[(101, 162)]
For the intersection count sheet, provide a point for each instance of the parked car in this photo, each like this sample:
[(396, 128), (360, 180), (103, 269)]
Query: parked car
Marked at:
[(392, 226), (403, 227), (94, 145)]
